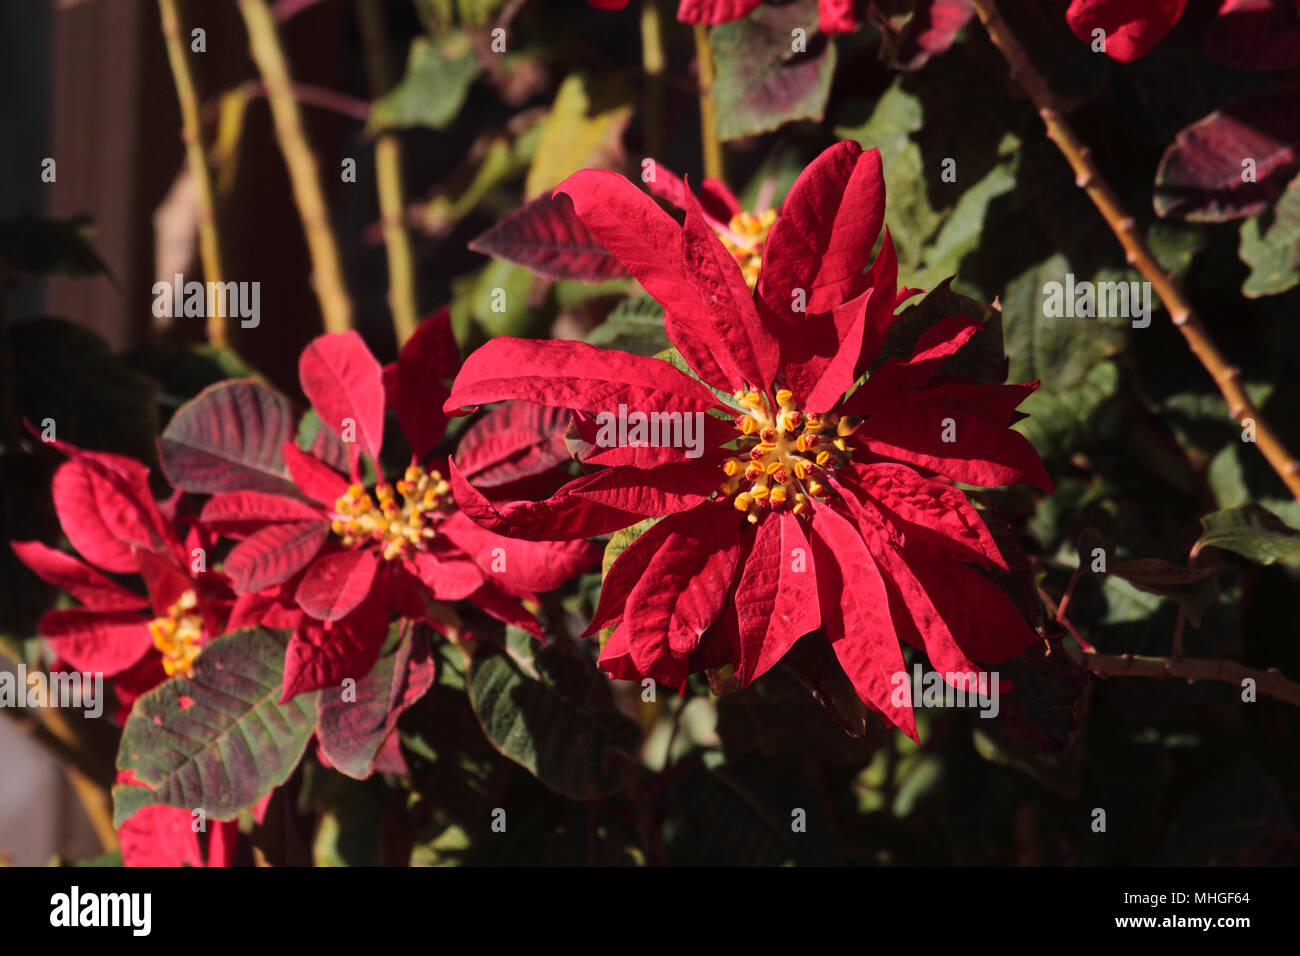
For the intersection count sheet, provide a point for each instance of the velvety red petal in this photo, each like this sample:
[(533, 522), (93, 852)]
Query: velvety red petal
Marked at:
[(79, 579), (520, 565), (684, 586), (713, 12), (930, 510), (1132, 27), (574, 375), (986, 623), (274, 554), (836, 16), (429, 356), (238, 514), (335, 584), (855, 615), (733, 333), (160, 836), (313, 477), (323, 654), (448, 574), (97, 641), (776, 599), (981, 454), (345, 384), (822, 240), (895, 379)]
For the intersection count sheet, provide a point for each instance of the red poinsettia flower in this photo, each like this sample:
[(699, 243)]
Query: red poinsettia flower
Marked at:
[(608, 4), (834, 16), (109, 515), (336, 564), (1131, 27), (789, 501), (1251, 34)]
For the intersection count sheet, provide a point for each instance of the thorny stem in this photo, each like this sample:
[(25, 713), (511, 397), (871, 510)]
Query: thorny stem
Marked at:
[(1226, 376), (713, 158), (327, 278), (192, 136), (388, 174), (1190, 669)]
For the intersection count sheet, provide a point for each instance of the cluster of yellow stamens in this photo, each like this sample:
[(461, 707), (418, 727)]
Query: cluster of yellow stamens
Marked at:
[(749, 235), (178, 635), (784, 455), (396, 523)]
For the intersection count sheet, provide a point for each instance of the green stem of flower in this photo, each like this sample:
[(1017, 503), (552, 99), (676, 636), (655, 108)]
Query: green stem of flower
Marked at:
[(196, 157), (653, 62), (714, 165), (388, 175)]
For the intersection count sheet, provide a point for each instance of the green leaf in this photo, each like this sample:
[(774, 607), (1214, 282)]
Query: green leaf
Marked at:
[(1253, 532), (584, 129), (634, 325), (1192, 589), (438, 76), (762, 83), (496, 298), (552, 715), (219, 740), (1060, 421), (1270, 245)]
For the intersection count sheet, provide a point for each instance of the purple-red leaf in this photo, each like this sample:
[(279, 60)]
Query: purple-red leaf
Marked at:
[(546, 236)]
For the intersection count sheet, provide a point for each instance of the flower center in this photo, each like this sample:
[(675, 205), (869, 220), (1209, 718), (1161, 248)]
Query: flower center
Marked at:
[(784, 456), (396, 524), (748, 236), (178, 635)]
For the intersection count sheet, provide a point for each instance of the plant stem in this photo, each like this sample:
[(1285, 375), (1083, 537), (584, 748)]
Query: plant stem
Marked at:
[(327, 277), (712, 146), (1191, 669), (1226, 376), (196, 157), (388, 175), (652, 64)]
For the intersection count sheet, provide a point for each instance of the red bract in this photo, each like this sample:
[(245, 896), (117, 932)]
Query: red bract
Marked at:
[(800, 507), (1131, 27), (109, 515), (834, 16), (337, 564)]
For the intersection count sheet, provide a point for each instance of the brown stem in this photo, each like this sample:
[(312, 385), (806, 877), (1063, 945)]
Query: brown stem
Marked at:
[(1270, 682), (196, 157), (327, 277), (388, 176), (1226, 376)]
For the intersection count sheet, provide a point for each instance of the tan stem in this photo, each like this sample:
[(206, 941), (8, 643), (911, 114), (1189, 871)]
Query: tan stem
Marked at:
[(1191, 669), (196, 157), (304, 176), (1226, 376), (714, 164), (653, 63), (388, 175)]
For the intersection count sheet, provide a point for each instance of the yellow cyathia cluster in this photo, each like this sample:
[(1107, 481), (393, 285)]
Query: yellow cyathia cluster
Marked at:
[(784, 455), (178, 635), (397, 523), (749, 235)]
